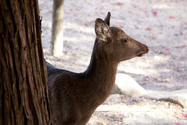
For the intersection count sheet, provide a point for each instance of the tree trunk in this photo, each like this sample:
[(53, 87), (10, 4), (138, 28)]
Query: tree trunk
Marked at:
[(57, 28), (23, 75)]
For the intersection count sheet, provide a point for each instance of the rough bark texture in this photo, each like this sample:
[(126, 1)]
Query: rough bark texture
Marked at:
[(57, 28), (23, 75)]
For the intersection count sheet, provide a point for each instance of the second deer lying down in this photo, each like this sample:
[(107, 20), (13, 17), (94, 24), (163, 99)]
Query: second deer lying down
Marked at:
[(75, 96)]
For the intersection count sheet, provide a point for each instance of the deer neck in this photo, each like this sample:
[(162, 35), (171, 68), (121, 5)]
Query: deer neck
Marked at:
[(101, 71)]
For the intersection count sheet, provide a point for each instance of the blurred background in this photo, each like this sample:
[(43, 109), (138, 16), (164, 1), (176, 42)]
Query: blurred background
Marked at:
[(160, 24)]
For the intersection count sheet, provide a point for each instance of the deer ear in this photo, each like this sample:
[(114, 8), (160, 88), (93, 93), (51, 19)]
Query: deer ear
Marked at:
[(107, 19), (102, 29)]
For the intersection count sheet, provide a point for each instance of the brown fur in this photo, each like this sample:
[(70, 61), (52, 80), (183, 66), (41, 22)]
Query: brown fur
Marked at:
[(75, 96)]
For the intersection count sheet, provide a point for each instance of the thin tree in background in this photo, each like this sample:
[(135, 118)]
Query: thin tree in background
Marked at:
[(23, 75), (57, 28)]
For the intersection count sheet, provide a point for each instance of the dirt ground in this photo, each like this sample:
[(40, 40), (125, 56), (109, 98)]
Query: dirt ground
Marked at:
[(160, 24)]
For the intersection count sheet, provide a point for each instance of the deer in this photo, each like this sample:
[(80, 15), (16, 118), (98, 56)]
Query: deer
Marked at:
[(73, 96)]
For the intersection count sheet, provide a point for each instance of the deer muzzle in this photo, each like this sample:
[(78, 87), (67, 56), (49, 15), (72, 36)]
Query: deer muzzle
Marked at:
[(143, 52)]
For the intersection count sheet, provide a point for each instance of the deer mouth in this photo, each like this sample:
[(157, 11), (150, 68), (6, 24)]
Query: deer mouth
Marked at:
[(140, 54)]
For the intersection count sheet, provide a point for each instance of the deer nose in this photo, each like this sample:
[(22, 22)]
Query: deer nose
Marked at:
[(147, 49)]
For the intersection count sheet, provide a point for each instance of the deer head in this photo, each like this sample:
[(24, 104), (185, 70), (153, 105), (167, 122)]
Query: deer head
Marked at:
[(116, 43)]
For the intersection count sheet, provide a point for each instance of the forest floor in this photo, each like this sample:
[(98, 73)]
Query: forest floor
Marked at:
[(160, 24)]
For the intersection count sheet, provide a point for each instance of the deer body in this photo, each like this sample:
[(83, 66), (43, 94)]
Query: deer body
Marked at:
[(75, 96)]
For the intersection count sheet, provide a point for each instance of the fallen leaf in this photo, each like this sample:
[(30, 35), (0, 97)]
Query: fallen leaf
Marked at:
[(148, 61), (164, 54), (137, 27), (104, 124), (154, 12), (156, 77), (185, 115), (147, 77), (88, 1), (82, 37), (135, 6), (82, 24), (171, 17), (160, 33), (167, 48), (168, 67), (67, 12), (149, 29), (116, 24), (119, 3), (91, 21)]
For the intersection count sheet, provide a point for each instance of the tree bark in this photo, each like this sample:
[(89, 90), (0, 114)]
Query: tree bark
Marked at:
[(57, 28), (23, 75)]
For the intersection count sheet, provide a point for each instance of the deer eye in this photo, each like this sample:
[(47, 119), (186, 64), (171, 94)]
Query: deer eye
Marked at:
[(126, 40)]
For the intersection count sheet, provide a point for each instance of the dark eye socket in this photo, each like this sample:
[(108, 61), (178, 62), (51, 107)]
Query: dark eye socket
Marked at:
[(126, 40)]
